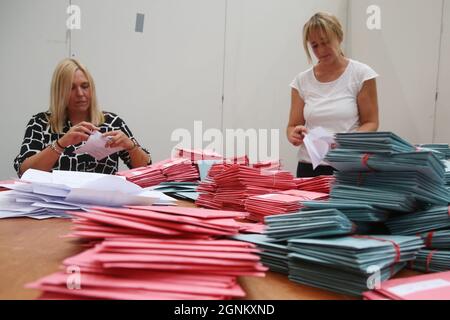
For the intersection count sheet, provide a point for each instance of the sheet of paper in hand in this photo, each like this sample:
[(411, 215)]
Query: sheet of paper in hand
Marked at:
[(95, 146)]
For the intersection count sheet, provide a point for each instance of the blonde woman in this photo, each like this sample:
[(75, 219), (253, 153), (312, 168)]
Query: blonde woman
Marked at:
[(52, 137), (338, 93)]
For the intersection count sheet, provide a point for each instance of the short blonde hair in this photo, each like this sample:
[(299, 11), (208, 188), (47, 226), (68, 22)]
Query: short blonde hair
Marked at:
[(326, 23), (60, 90)]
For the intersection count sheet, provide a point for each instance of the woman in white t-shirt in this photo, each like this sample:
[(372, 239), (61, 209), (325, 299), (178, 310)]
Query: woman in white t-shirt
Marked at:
[(338, 94)]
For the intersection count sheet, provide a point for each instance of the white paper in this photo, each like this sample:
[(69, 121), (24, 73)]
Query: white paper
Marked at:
[(318, 142), (95, 146)]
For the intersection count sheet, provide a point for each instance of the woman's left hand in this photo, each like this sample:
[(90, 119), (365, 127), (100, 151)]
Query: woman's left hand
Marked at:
[(118, 139)]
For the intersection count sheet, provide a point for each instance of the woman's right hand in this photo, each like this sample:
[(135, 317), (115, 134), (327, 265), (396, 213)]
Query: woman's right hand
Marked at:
[(297, 135), (77, 134)]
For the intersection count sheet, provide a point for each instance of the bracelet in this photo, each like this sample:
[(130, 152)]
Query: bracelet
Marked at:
[(135, 145), (59, 145), (55, 148)]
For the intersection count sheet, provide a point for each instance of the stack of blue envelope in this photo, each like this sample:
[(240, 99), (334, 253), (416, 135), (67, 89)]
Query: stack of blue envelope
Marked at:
[(358, 211), (437, 239), (442, 149), (308, 224), (347, 264), (434, 218), (428, 260), (274, 253), (412, 186), (380, 142)]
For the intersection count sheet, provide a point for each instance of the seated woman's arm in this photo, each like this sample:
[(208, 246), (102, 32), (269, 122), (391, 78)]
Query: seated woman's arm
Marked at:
[(296, 128), (368, 107)]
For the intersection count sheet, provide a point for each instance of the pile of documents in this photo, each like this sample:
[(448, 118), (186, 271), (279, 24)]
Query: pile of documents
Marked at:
[(195, 155), (155, 269), (357, 211), (273, 253), (348, 265), (434, 218), (431, 260), (316, 184), (173, 170), (434, 286), (437, 239), (308, 224), (229, 185), (442, 150), (156, 253), (103, 222), (41, 194), (279, 203)]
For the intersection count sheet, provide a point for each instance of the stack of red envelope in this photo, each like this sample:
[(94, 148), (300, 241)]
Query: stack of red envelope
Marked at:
[(288, 201), (173, 170), (178, 170), (155, 253), (435, 286), (145, 176), (317, 184), (229, 185)]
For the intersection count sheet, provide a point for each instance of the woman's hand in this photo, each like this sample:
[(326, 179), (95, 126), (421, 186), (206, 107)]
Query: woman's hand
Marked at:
[(297, 134), (118, 139), (77, 134)]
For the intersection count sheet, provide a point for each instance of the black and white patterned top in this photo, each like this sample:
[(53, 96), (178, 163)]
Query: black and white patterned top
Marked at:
[(38, 136)]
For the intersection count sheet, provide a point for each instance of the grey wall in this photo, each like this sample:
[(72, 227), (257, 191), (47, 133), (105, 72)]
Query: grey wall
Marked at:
[(194, 53)]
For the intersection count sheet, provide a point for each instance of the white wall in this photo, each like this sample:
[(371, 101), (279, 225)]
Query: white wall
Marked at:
[(442, 129), (159, 80), (32, 39), (405, 54)]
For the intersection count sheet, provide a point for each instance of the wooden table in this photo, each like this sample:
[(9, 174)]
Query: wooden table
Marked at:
[(31, 249)]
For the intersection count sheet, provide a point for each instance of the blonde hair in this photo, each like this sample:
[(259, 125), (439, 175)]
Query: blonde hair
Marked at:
[(60, 94), (326, 23)]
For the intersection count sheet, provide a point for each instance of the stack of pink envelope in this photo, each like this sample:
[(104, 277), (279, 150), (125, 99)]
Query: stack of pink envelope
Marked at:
[(435, 286), (229, 185), (317, 184), (288, 201), (144, 176), (156, 253), (173, 170)]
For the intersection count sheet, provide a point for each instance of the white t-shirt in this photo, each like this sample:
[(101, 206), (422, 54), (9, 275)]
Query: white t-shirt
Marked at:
[(332, 105)]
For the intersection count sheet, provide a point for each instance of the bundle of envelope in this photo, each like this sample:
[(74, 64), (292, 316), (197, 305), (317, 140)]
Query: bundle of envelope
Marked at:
[(434, 218), (355, 210), (155, 268), (278, 203), (431, 260), (273, 253), (424, 162), (442, 150), (376, 142), (434, 286), (317, 184), (147, 252), (142, 221), (173, 170), (229, 185), (437, 239), (40, 194), (397, 191), (308, 224), (348, 264)]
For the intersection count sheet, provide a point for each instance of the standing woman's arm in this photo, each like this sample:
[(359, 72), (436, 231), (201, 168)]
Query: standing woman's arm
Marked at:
[(296, 128), (368, 107)]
